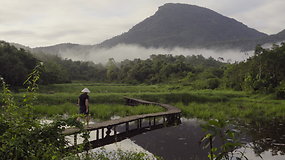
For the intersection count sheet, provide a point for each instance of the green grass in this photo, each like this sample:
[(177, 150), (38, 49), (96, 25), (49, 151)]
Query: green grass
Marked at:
[(106, 100), (100, 88), (174, 96), (245, 110)]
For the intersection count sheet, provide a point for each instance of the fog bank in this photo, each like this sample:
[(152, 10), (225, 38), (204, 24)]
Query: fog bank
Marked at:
[(122, 52)]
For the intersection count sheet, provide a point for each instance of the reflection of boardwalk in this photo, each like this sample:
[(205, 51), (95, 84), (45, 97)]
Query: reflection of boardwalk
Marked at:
[(129, 126)]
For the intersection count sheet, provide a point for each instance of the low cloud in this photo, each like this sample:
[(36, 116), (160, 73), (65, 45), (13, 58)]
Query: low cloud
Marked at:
[(122, 52)]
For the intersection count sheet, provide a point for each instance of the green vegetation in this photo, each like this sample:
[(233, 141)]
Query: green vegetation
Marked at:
[(229, 148), (235, 109), (262, 73), (15, 64), (106, 100), (251, 91), (175, 79), (23, 136), (154, 70)]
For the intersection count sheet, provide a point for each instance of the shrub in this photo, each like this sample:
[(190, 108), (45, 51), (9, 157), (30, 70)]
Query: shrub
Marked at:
[(213, 83), (280, 91), (22, 136)]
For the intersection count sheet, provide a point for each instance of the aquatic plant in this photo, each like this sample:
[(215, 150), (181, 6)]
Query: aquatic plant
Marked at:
[(230, 141)]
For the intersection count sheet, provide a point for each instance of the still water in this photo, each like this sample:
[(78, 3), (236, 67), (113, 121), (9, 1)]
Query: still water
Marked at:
[(263, 141), (182, 142)]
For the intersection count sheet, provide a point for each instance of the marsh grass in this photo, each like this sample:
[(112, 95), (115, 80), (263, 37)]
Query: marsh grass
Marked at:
[(107, 100), (202, 96), (98, 111), (100, 88), (53, 110), (246, 110)]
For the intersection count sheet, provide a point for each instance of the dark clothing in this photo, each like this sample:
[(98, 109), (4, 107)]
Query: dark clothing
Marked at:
[(82, 99)]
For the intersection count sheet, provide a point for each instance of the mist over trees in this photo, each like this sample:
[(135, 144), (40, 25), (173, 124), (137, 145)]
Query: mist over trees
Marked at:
[(164, 69), (264, 72)]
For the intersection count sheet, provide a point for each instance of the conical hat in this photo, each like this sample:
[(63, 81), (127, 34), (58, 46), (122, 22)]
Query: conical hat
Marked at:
[(85, 90)]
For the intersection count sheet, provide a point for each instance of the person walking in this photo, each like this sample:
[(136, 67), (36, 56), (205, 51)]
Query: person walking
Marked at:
[(83, 102)]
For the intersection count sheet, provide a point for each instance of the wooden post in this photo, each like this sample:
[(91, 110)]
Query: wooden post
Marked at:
[(138, 123), (97, 134), (115, 130), (102, 133), (127, 126), (108, 131), (75, 139), (154, 121)]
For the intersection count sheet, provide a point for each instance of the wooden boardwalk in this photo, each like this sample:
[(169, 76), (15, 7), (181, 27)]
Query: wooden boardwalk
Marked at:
[(129, 126)]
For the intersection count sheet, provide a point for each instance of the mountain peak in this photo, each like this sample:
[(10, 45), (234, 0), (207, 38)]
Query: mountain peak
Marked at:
[(178, 6), (184, 25), (175, 5)]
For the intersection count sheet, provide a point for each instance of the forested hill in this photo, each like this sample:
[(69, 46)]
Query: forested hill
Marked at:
[(275, 38), (179, 25), (187, 26), (15, 64), (63, 48)]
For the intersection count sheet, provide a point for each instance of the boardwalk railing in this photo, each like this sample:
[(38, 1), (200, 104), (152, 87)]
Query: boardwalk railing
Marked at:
[(127, 126)]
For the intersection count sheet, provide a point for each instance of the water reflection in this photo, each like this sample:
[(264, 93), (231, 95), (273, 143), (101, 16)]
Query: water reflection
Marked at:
[(175, 143), (182, 142), (266, 137)]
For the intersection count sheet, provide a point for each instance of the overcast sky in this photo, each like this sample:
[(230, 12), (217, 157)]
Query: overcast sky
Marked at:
[(47, 22)]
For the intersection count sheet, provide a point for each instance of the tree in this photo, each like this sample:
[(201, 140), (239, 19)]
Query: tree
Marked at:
[(15, 64), (263, 72), (112, 70)]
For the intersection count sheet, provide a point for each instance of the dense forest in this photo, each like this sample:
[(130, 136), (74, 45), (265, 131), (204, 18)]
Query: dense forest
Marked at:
[(263, 72), (15, 64)]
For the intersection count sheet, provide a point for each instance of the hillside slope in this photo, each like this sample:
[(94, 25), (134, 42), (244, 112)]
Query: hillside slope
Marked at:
[(187, 26)]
